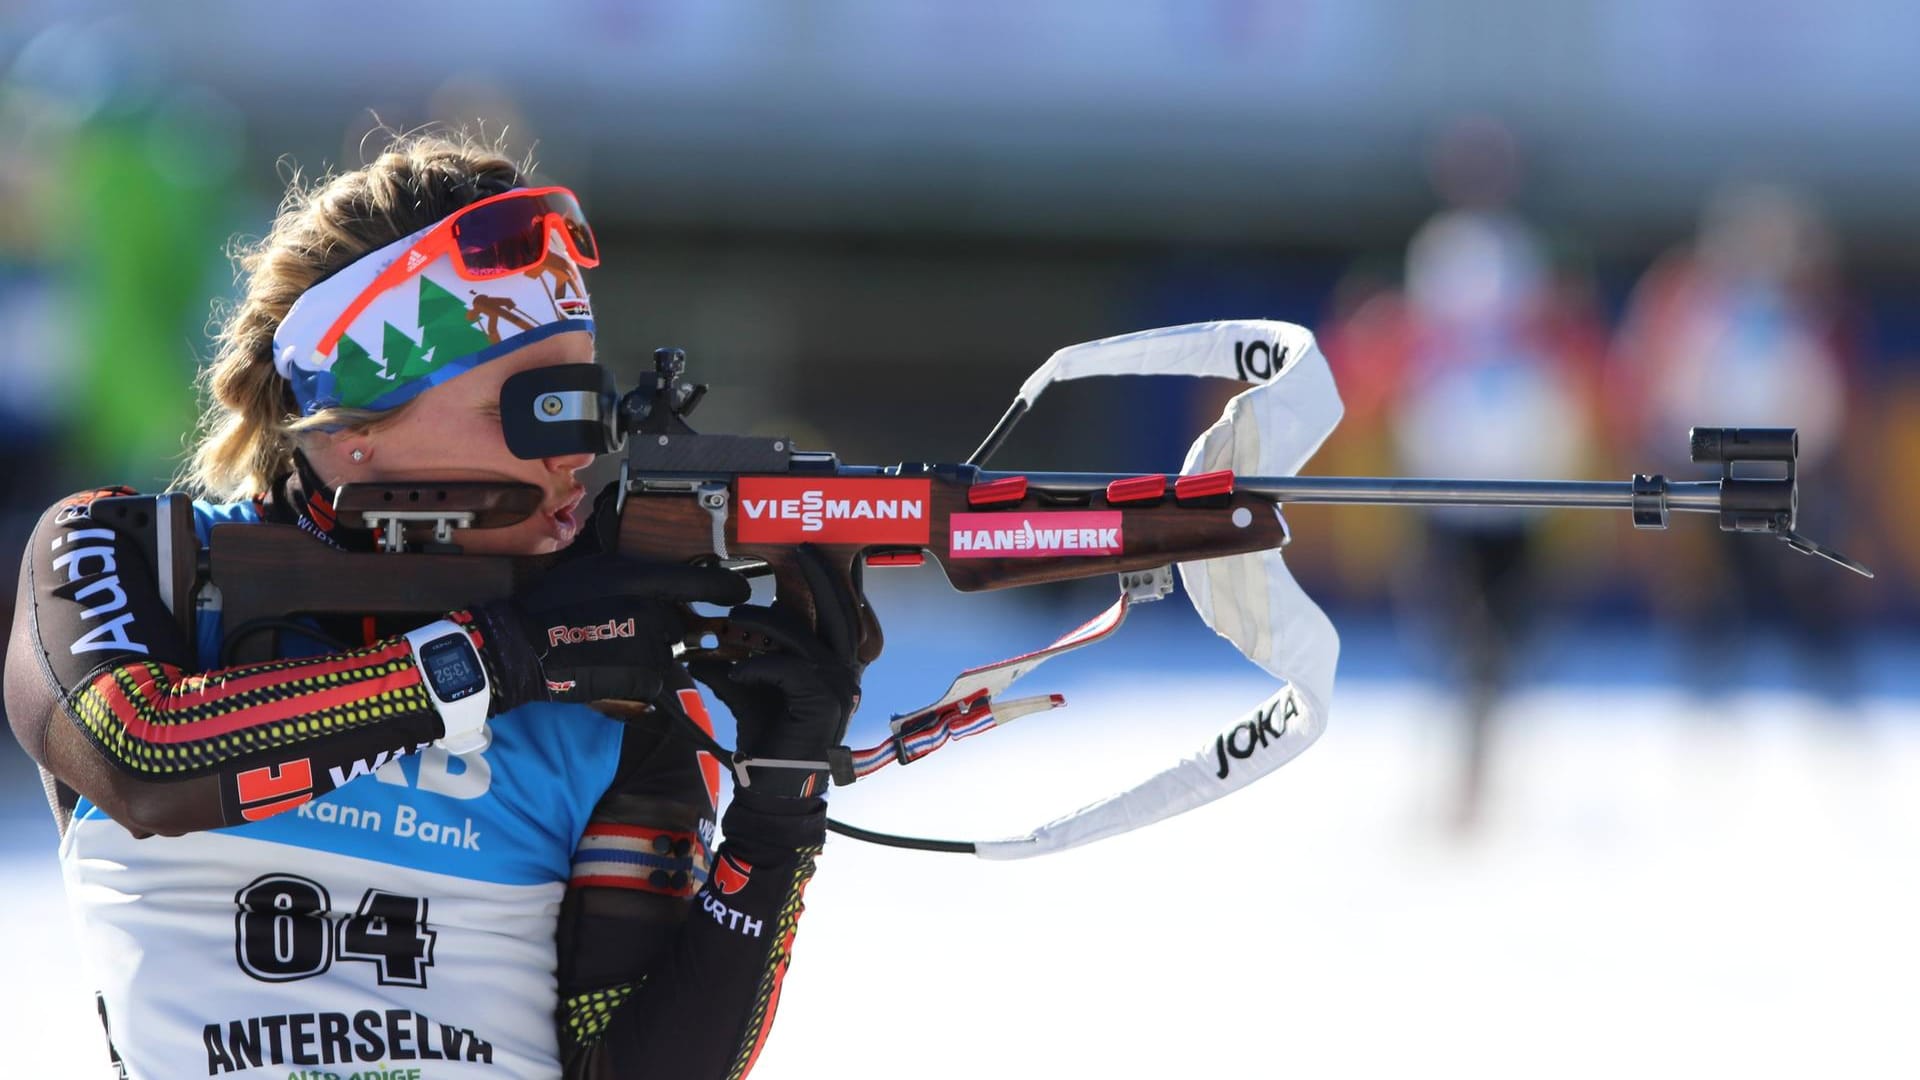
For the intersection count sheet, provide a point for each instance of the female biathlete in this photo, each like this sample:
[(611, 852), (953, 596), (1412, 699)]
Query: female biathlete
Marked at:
[(422, 854)]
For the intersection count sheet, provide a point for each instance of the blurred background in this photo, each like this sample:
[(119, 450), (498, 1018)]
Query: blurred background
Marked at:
[(1593, 799)]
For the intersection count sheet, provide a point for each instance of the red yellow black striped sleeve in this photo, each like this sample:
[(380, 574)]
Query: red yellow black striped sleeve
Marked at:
[(102, 691), (671, 961)]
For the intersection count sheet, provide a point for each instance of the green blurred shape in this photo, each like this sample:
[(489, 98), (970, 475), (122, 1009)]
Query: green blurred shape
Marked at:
[(139, 241)]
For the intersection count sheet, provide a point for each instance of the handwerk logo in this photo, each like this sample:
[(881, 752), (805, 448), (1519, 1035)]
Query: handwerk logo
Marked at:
[(574, 635), (1035, 536), (878, 511)]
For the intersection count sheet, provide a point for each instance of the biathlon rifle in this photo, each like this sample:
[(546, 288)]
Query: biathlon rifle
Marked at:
[(748, 502)]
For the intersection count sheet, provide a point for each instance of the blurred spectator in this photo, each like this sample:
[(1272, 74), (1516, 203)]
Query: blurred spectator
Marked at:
[(1366, 340), (1492, 388), (1745, 327)]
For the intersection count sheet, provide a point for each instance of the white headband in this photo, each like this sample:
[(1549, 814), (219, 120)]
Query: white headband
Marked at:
[(424, 331)]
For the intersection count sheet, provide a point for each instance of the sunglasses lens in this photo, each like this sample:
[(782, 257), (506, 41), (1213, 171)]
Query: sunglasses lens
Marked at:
[(509, 236), (564, 204), (500, 238)]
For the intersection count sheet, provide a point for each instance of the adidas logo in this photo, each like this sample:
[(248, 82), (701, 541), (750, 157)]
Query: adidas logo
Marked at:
[(415, 261)]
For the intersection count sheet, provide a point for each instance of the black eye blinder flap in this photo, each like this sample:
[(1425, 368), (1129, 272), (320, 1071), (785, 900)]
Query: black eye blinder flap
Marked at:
[(560, 410)]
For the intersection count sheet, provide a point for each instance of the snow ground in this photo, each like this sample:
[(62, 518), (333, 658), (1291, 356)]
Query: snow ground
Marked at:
[(1651, 894)]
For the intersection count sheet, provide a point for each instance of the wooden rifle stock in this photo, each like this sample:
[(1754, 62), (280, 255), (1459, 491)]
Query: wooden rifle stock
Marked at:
[(280, 571), (676, 527)]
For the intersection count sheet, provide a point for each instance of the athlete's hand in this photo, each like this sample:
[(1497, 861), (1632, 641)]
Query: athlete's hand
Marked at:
[(793, 703), (596, 628)]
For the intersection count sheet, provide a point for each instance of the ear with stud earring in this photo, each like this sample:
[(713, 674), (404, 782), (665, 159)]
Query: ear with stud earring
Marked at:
[(359, 455)]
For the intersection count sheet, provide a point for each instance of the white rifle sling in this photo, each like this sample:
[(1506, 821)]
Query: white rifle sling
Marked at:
[(1270, 429)]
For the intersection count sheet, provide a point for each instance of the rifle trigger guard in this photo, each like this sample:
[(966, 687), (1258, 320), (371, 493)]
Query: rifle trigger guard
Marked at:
[(714, 499)]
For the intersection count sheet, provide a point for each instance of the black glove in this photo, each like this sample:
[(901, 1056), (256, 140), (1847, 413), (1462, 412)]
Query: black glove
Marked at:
[(793, 703), (600, 532), (596, 628)]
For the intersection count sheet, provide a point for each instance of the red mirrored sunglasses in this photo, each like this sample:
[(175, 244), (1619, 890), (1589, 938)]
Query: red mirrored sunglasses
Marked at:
[(501, 234)]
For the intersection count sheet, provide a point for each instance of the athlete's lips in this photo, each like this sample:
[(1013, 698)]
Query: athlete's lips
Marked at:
[(565, 522)]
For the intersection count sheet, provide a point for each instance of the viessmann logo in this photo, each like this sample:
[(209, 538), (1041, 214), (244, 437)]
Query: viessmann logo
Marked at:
[(1036, 536), (778, 509)]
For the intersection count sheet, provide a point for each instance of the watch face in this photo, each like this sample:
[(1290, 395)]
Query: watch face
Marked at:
[(452, 667)]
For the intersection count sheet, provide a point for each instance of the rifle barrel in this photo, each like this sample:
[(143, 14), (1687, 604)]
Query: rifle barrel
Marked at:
[(1701, 496)]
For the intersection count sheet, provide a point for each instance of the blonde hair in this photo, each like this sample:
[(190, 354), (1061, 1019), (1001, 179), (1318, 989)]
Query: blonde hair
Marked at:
[(249, 428)]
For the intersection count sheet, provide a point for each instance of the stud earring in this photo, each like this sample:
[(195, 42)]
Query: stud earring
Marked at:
[(359, 455)]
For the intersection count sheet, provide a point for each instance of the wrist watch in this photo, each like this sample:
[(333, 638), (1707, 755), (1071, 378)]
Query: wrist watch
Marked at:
[(457, 681)]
